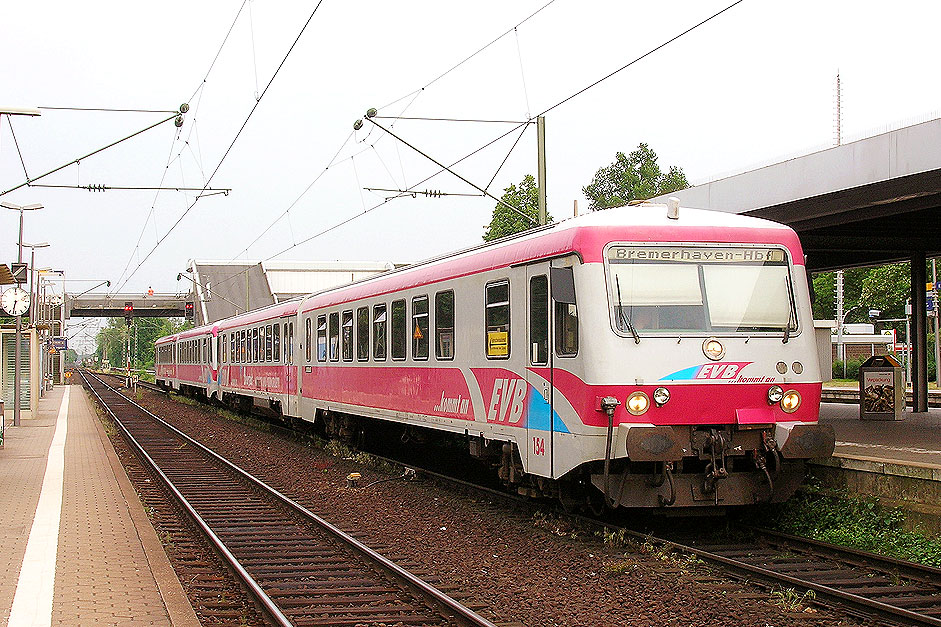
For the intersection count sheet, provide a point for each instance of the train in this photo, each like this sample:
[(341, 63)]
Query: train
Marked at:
[(646, 356)]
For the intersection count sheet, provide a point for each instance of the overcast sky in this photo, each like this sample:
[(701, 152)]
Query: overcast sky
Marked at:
[(753, 86)]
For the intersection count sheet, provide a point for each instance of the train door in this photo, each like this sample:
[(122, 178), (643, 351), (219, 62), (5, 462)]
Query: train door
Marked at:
[(291, 368), (538, 372)]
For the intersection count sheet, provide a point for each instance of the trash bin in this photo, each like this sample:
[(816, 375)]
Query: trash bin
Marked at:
[(881, 389)]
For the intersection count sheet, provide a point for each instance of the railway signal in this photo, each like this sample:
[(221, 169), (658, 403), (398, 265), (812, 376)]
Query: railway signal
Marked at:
[(188, 309), (128, 312)]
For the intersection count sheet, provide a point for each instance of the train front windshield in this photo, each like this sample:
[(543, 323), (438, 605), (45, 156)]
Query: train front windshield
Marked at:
[(706, 289)]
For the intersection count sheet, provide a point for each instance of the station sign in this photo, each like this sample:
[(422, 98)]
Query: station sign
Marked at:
[(19, 272), (59, 343)]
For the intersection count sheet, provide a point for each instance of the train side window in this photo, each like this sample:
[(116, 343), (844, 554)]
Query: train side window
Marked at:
[(420, 327), (334, 328), (399, 330), (289, 333), (346, 335), (232, 339), (444, 325), (255, 350), (322, 338), (362, 333), (539, 320), (566, 329), (379, 326), (269, 343), (277, 343), (498, 319), (308, 342)]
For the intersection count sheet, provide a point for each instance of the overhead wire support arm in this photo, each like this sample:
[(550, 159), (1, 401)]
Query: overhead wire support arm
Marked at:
[(176, 116), (100, 187), (370, 115), (431, 193)]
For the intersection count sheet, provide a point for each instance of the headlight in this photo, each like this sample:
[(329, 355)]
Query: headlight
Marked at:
[(661, 396), (791, 401), (637, 403), (797, 367), (713, 349), (775, 394)]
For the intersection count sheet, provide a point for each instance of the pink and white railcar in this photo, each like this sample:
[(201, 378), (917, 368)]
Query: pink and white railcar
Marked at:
[(647, 359)]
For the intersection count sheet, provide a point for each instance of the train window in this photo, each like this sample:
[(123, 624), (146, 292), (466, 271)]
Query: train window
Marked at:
[(269, 343), (362, 333), (255, 350), (243, 346), (322, 338), (308, 342), (420, 327), (277, 343), (566, 329), (444, 325), (399, 330), (498, 319), (379, 326), (347, 335), (539, 320), (290, 335), (232, 339), (334, 329)]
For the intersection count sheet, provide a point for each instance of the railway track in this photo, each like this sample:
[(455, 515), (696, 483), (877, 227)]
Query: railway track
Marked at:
[(866, 584), (298, 568), (869, 584)]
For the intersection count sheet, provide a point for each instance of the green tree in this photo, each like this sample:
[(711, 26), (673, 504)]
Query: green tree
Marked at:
[(636, 176), (505, 221), (112, 340)]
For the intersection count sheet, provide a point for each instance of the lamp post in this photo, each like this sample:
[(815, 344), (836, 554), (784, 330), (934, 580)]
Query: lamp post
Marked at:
[(32, 278), (60, 330), (31, 112), (17, 392)]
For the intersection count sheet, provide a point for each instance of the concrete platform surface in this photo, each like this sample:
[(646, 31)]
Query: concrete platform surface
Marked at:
[(916, 439), (76, 547)]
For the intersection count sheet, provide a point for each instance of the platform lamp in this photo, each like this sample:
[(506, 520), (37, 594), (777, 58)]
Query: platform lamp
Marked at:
[(18, 351)]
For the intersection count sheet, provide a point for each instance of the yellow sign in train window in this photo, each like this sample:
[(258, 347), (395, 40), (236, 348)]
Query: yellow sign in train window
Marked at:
[(498, 343)]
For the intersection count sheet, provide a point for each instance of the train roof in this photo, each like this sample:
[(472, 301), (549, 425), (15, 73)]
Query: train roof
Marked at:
[(584, 236)]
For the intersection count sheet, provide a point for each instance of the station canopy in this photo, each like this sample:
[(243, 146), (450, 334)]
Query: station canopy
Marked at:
[(226, 288)]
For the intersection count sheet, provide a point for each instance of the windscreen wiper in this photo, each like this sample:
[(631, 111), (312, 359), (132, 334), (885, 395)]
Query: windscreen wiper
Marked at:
[(625, 319), (790, 311)]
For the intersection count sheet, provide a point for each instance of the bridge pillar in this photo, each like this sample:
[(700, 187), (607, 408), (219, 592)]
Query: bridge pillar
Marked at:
[(919, 354)]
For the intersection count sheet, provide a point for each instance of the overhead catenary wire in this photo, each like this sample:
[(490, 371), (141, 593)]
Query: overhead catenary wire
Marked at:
[(469, 57), (510, 131), (499, 137), (232, 144)]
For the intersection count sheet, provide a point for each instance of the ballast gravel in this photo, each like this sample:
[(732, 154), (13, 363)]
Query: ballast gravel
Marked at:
[(516, 569)]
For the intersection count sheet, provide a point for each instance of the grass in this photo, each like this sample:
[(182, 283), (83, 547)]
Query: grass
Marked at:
[(790, 600), (852, 521)]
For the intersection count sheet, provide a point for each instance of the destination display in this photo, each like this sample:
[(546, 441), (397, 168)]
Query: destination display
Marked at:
[(697, 254)]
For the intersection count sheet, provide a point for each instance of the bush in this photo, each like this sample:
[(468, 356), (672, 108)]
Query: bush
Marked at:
[(852, 368), (852, 521)]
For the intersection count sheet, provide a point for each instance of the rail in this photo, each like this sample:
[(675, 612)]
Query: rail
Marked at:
[(293, 553)]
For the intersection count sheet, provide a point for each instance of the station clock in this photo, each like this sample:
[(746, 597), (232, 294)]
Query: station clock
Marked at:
[(15, 301)]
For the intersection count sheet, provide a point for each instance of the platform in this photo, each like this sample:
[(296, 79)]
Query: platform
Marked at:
[(76, 547), (914, 439), (899, 462)]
